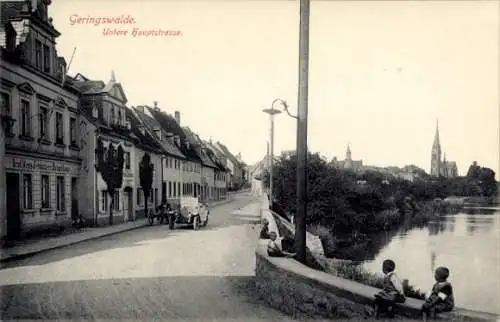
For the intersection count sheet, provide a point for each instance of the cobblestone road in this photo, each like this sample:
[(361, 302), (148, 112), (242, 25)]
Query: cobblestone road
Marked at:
[(149, 273)]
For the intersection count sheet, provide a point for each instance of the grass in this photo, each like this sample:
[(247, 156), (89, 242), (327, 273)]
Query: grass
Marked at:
[(359, 274)]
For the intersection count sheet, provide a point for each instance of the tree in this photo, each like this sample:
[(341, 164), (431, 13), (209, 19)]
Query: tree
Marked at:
[(146, 178), (110, 165)]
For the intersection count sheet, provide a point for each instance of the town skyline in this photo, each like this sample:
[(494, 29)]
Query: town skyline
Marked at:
[(378, 89)]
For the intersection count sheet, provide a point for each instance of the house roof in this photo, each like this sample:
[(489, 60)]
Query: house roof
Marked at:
[(152, 124), (199, 146), (215, 157), (228, 154), (170, 125), (144, 140)]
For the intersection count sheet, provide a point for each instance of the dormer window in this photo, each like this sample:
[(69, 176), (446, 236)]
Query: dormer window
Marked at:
[(188, 145), (158, 133), (141, 129)]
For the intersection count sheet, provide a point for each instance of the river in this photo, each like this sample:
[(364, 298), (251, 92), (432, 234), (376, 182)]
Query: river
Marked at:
[(467, 243)]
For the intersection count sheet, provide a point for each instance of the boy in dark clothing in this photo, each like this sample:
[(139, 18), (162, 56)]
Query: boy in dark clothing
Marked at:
[(441, 297), (264, 232), (392, 291)]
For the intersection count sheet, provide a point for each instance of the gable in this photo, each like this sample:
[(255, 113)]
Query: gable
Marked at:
[(117, 92), (26, 88), (61, 102)]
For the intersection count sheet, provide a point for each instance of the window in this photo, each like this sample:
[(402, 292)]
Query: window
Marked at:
[(5, 104), (45, 192), (170, 189), (179, 188), (151, 196), (46, 59), (175, 190), (27, 192), (104, 200), (25, 118), (127, 160), (38, 54), (139, 196), (61, 202), (116, 201), (119, 116), (59, 128), (43, 122), (73, 131)]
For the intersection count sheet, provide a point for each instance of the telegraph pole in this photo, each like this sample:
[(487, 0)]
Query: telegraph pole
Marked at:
[(302, 107)]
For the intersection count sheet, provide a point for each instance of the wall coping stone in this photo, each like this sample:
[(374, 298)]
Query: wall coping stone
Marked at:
[(357, 292)]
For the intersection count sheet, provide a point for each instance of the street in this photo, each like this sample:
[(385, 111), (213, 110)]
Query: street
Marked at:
[(146, 273)]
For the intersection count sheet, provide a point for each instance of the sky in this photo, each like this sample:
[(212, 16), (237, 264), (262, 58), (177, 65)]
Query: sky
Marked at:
[(381, 73)]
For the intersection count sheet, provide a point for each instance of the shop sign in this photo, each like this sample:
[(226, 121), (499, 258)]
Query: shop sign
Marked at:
[(31, 164)]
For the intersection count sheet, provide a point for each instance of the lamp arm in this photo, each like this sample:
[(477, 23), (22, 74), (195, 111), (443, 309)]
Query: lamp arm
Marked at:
[(285, 107)]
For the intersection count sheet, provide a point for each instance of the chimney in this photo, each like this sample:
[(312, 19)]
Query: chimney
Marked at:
[(155, 104), (178, 117)]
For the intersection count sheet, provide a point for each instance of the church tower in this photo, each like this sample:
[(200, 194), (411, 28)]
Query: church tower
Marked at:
[(348, 153), (436, 154)]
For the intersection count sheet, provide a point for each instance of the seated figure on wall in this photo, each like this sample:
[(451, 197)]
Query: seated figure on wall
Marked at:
[(274, 248)]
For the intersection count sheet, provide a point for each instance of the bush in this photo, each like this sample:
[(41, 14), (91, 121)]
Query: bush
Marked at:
[(359, 274)]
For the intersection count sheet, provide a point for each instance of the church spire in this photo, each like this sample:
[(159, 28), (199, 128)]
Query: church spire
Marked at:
[(348, 152), (436, 135), (113, 79)]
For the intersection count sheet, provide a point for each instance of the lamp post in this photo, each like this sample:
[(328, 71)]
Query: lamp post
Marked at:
[(272, 112), (300, 220)]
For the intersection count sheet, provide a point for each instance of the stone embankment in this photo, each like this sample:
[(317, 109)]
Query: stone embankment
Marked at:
[(303, 292)]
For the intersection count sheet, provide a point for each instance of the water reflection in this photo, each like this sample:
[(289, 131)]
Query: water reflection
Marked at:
[(466, 243)]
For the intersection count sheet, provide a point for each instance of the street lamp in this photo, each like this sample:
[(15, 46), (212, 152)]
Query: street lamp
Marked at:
[(272, 112)]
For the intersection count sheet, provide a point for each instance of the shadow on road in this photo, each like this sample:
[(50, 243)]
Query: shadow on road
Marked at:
[(207, 297), (221, 216)]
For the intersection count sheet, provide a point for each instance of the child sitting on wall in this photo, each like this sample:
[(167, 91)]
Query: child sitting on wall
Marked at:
[(440, 298), (274, 248), (392, 291)]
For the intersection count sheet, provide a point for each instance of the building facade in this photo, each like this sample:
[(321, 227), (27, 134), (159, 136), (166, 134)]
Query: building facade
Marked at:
[(172, 158), (41, 161), (104, 106), (441, 168)]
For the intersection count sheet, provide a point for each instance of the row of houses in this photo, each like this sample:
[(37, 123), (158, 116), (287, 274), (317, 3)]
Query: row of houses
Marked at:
[(52, 126)]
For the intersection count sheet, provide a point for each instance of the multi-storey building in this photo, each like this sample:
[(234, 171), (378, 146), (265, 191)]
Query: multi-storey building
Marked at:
[(192, 165), (40, 121), (208, 166), (146, 143), (171, 157), (104, 108)]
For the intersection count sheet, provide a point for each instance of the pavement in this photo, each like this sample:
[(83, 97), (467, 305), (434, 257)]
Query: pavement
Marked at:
[(32, 247), (148, 273)]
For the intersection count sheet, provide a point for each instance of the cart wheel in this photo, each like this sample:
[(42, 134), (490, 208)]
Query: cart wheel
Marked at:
[(196, 223), (171, 222), (150, 220)]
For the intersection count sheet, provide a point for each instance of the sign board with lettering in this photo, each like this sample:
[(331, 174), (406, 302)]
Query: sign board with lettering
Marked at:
[(37, 164)]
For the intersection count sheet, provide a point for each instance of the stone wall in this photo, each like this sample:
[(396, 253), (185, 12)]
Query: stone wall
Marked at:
[(303, 292), (281, 284)]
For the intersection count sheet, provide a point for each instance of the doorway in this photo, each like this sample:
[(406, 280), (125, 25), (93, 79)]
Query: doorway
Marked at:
[(13, 206), (74, 199), (128, 204)]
